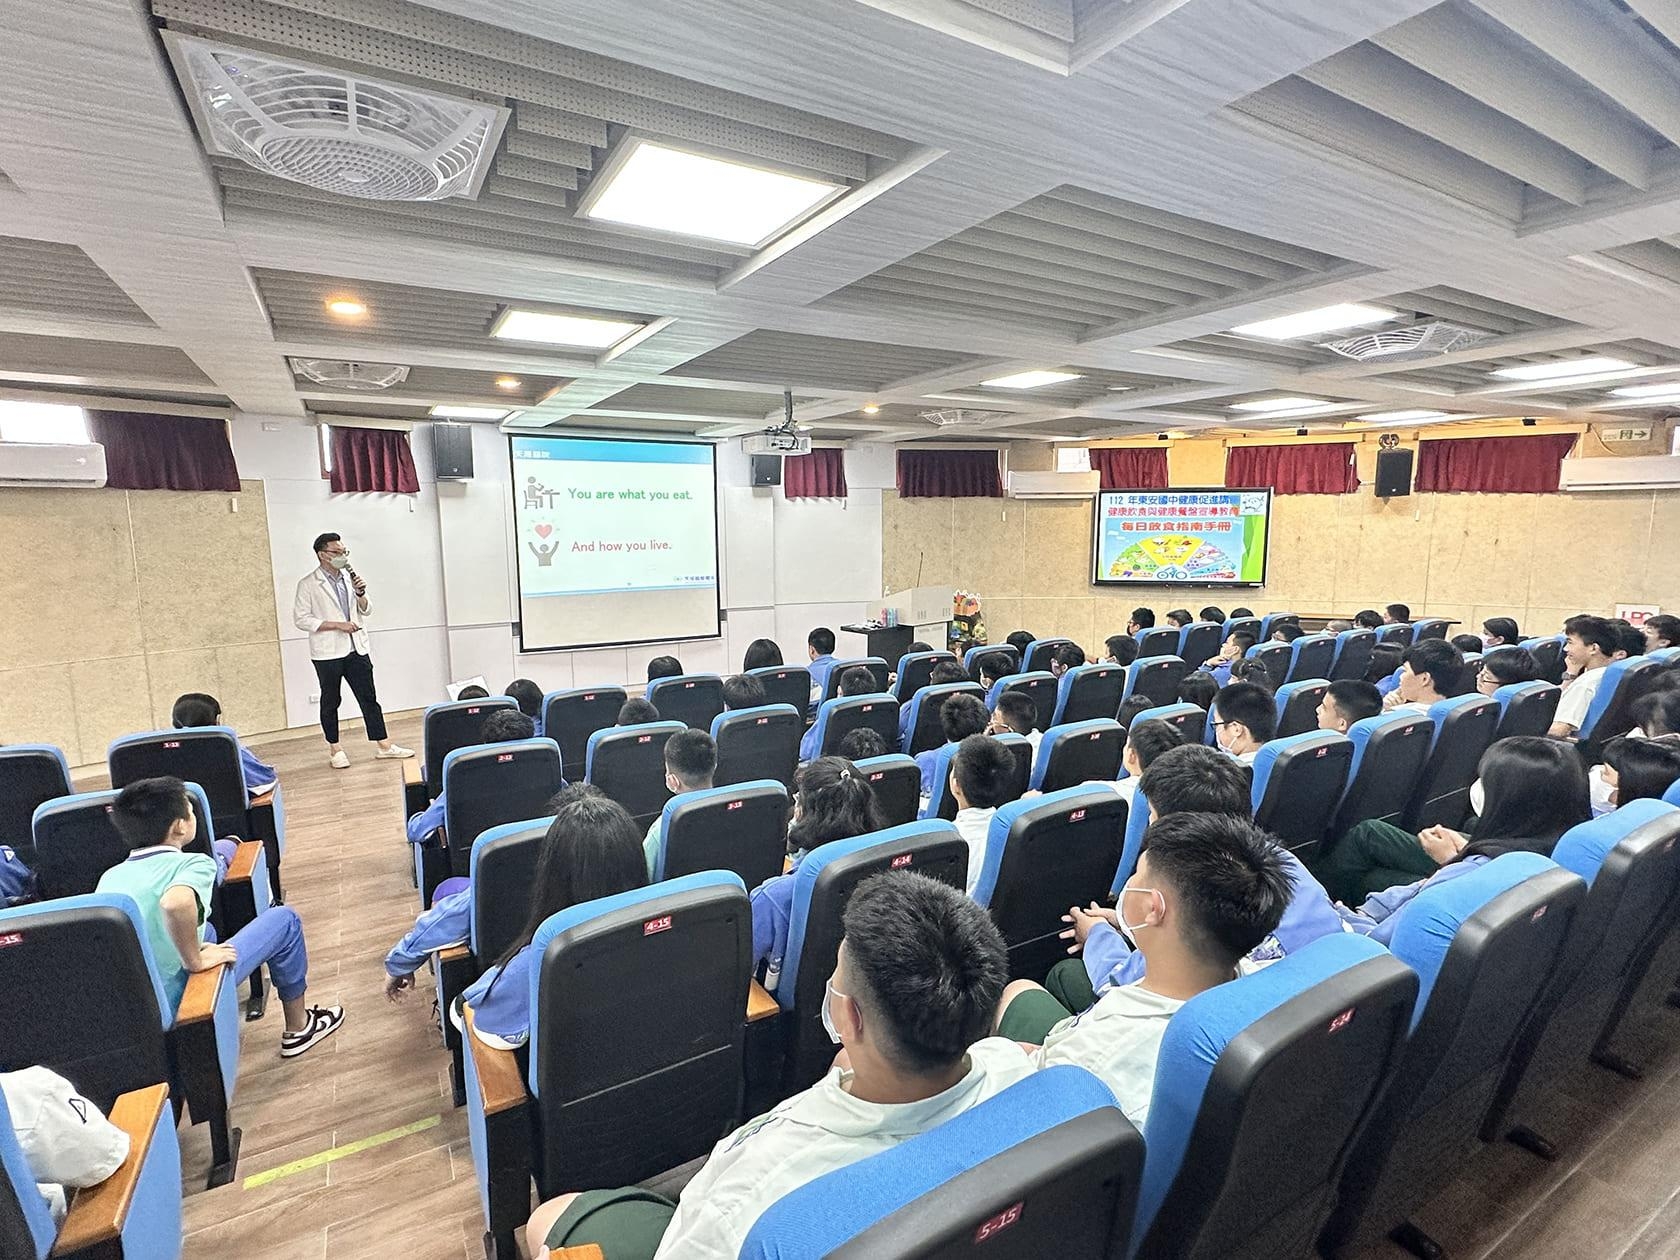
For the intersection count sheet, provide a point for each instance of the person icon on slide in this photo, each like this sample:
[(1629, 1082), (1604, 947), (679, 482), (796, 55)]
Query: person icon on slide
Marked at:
[(536, 493), (544, 555)]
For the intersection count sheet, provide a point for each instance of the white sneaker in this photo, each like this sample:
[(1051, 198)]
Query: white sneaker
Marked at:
[(395, 752), (340, 760), (323, 1023)]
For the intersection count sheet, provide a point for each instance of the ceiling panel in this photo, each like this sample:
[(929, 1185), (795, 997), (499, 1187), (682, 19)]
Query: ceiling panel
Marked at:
[(1091, 385), (60, 279), (24, 357), (695, 401), (797, 360), (453, 385), (1465, 377)]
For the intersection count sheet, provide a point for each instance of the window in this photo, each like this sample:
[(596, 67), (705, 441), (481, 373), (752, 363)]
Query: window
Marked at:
[(42, 423)]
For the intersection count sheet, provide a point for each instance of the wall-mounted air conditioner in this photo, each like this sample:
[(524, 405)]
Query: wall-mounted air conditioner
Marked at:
[(1632, 472), (70, 465), (1051, 485)]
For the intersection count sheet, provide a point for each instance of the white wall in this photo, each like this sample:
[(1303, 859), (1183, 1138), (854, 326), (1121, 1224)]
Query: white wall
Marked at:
[(440, 571)]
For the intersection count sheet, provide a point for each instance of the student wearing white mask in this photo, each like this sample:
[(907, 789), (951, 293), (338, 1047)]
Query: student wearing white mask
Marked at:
[(1633, 770)]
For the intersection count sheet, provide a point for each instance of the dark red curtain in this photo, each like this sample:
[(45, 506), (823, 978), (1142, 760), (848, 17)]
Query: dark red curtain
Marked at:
[(1494, 465), (1130, 468), (144, 451), (376, 460), (819, 475), (940, 474), (1315, 468)]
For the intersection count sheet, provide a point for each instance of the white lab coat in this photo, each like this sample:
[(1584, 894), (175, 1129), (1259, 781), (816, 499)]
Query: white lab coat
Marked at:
[(317, 601)]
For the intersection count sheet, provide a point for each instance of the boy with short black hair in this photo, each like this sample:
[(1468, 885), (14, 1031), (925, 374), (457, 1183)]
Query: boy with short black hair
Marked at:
[(1145, 741), (1590, 643), (472, 691), (664, 667), (1429, 671), (1661, 631), (635, 711), (172, 890), (1122, 649), (500, 727), (960, 716), (742, 691), (1368, 619), (994, 666), (947, 672), (862, 743), (856, 680), (1141, 619), (690, 766), (1244, 718), (1396, 614), (1016, 714), (1179, 617), (1234, 648), (981, 772), (1346, 701), (529, 697), (1067, 656), (920, 971), (1213, 613), (819, 646), (197, 708), (1020, 640)]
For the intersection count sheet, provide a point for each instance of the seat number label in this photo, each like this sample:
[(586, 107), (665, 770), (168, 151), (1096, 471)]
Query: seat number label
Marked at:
[(653, 926), (10, 938), (997, 1224), (902, 860), (1341, 1021)]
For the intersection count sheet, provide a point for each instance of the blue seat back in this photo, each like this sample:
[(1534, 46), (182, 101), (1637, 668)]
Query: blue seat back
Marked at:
[(1609, 713), (915, 671), (1297, 705), (205, 755), (1430, 628), (1157, 641), (30, 775), (1241, 625), (692, 699), (1665, 656), (839, 717), (1190, 719), (760, 743), (1398, 633), (922, 729), (1271, 621), (1159, 678), (446, 727), (1464, 727), (1137, 822), (76, 842), (628, 764), (1297, 782), (897, 783), (1079, 752), (822, 886), (1526, 708), (1200, 641), (971, 658), (1672, 796), (1038, 687), (1039, 652), (785, 684), (1353, 654), (942, 803), (27, 1231), (742, 828), (874, 664), (1275, 657), (1260, 1088), (1548, 655), (637, 1018), (571, 717), (1388, 755), (1088, 691), (503, 871), (1310, 656), (1043, 855), (1047, 1167), (487, 785)]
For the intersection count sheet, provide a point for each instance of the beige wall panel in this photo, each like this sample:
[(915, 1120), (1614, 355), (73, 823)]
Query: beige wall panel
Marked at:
[(169, 674), (1662, 558), (1464, 614), (112, 698), (1004, 616), (1064, 618), (1593, 550), (1194, 463), (915, 538), (1308, 545), (1032, 457), (252, 695), (36, 707), (1387, 557), (1058, 549), (1539, 620), (987, 540), (67, 577), (1481, 543), (204, 570)]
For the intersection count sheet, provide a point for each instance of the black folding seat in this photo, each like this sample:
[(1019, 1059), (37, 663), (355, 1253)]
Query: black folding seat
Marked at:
[(1297, 782), (1353, 654), (1464, 727), (628, 764), (1088, 691), (897, 781), (1388, 755), (1079, 752), (30, 775), (839, 717), (692, 699), (741, 828), (785, 684), (760, 743), (1159, 678), (571, 717)]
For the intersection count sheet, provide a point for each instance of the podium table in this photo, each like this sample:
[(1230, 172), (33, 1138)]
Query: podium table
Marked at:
[(887, 642)]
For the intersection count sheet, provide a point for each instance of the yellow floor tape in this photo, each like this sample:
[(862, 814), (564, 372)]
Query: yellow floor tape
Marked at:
[(340, 1152)]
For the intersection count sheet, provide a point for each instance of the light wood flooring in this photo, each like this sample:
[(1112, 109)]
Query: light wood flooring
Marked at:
[(1614, 1194)]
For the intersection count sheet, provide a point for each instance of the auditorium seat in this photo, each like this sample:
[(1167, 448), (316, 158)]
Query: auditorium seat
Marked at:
[(942, 804), (760, 743), (915, 670), (1310, 657), (633, 1066), (1271, 621), (971, 658), (1078, 752), (1548, 655), (1672, 796), (1200, 641), (1240, 625), (1260, 1088), (1430, 628), (1275, 657), (921, 726), (446, 727), (1526, 708), (822, 885), (692, 699), (839, 717), (628, 764), (1039, 652), (874, 664), (1043, 855), (897, 782), (1630, 859), (1609, 714), (485, 786), (742, 828), (209, 757), (1137, 822), (571, 717), (1038, 687), (1353, 654), (1190, 719), (1485, 947), (785, 684), (80, 993), (1157, 641), (1388, 755), (1047, 1167), (1297, 705), (1464, 727), (1158, 678), (1088, 691), (1665, 656), (30, 775), (1297, 781)]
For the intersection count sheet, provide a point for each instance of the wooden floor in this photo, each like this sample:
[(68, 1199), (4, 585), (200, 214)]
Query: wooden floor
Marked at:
[(409, 1189)]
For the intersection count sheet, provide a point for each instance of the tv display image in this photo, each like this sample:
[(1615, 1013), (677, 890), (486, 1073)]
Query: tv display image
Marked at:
[(1192, 537)]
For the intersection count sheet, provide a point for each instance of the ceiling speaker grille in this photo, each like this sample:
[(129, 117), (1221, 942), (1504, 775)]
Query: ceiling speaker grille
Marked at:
[(1419, 341), (350, 373)]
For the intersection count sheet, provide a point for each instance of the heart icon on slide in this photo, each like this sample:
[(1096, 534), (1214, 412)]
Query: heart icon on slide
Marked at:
[(543, 531)]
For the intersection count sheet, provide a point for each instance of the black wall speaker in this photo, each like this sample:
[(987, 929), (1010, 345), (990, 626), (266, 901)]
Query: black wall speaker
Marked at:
[(767, 470), (452, 451), (1394, 473)]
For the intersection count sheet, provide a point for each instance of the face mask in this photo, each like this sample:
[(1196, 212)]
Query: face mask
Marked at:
[(828, 1020), (1603, 794), (1478, 798), (1130, 930), (340, 562), (1489, 640)]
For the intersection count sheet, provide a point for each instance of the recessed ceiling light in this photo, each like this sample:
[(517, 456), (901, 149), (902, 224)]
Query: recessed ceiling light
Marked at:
[(585, 331), (871, 409), (1560, 369), (1030, 380), (507, 382), (1280, 404), (1404, 417), (347, 307), (650, 185), (446, 412), (1662, 389), (1324, 319)]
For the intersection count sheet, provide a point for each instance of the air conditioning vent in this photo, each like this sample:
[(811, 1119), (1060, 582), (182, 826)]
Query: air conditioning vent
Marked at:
[(1052, 485), (339, 132), (955, 417), (350, 374), (43, 465), (1418, 341)]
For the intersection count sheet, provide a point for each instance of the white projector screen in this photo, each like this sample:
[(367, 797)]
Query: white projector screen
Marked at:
[(617, 541)]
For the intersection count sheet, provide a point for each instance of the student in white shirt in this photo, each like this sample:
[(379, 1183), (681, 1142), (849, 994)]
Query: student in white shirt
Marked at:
[(920, 971), (690, 764), (979, 780), (1590, 643), (1346, 701), (1145, 741), (1208, 888), (1244, 718), (1017, 714), (1429, 671)]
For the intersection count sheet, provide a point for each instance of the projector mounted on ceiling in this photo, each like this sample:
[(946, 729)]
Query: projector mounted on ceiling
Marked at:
[(948, 417), (350, 374), (339, 132), (1417, 341)]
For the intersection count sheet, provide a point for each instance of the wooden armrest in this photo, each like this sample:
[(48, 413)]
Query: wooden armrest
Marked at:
[(500, 1087), (98, 1212), (198, 1002), (589, 1251), (761, 1003), (413, 773), (454, 953), (267, 798), (245, 859)]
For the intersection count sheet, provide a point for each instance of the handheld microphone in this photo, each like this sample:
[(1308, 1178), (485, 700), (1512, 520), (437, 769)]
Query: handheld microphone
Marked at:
[(356, 580)]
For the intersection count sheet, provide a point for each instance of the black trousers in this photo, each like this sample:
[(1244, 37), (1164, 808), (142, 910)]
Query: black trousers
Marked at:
[(357, 670)]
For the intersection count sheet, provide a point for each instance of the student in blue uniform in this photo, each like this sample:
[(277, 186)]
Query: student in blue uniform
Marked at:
[(819, 645), (501, 727), (690, 764), (959, 717), (196, 708), (529, 697), (856, 681), (943, 672)]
